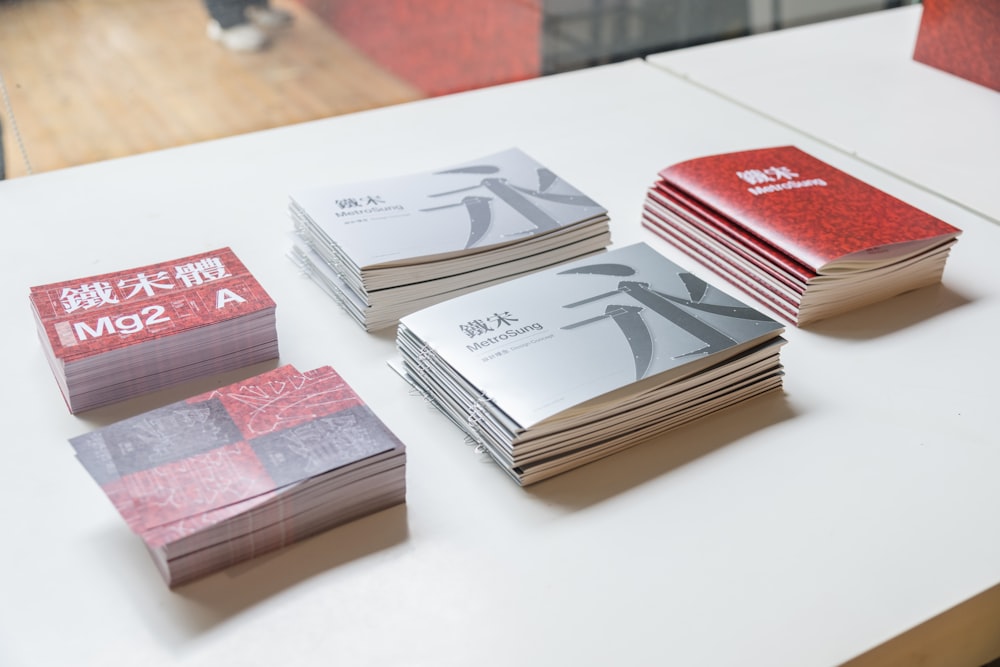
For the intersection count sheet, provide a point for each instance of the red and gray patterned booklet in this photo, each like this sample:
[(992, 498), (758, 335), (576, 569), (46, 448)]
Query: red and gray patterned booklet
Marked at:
[(248, 468), (803, 237), (112, 336)]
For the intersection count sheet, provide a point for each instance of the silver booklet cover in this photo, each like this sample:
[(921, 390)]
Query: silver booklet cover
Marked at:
[(494, 200), (540, 345)]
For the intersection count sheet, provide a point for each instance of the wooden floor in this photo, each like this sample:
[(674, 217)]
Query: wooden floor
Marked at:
[(90, 80)]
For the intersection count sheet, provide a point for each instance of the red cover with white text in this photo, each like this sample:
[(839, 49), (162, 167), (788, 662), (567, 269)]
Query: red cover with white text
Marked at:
[(805, 208), (84, 317)]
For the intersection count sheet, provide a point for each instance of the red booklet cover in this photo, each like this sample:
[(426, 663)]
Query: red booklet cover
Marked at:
[(737, 240), (961, 37), (178, 470), (85, 317), (818, 215)]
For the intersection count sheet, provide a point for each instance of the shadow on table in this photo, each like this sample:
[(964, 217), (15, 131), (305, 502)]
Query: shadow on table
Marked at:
[(195, 608), (618, 473), (894, 314)]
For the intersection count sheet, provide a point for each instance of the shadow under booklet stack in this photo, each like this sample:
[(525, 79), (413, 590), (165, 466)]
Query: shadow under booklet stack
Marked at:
[(245, 469), (116, 335), (553, 370), (808, 240), (389, 247)]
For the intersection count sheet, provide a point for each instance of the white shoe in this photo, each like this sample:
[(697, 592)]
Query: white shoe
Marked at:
[(242, 37), (268, 18)]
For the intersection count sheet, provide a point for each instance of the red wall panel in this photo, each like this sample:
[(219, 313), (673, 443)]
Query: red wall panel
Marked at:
[(961, 37), (442, 46)]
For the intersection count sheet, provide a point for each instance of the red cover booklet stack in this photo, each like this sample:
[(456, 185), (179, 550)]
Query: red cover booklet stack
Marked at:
[(804, 238), (247, 468), (112, 336)]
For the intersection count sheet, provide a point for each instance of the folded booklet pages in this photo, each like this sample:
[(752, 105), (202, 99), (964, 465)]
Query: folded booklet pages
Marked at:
[(804, 238), (389, 247), (561, 367), (116, 335), (245, 469)]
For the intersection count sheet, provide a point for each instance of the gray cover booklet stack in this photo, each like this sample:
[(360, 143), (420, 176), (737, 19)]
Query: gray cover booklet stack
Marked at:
[(389, 247), (553, 370)]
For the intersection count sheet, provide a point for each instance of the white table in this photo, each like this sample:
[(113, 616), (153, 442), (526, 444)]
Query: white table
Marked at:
[(853, 85), (800, 529)]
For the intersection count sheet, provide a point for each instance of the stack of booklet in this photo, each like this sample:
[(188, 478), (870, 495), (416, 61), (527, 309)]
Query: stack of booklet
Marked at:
[(112, 336), (245, 469), (389, 247), (806, 239), (567, 365)]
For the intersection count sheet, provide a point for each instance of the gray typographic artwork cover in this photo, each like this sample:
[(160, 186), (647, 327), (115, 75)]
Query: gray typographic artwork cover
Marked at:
[(546, 342), (497, 199)]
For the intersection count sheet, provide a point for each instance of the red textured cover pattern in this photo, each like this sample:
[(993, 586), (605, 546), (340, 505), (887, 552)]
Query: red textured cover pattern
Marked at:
[(187, 488), (176, 470), (961, 37), (779, 302), (282, 399), (88, 316), (734, 238), (442, 46), (825, 215)]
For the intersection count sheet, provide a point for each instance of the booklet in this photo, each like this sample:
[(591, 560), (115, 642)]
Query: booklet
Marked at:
[(250, 467), (807, 239), (408, 239), (559, 367), (115, 335)]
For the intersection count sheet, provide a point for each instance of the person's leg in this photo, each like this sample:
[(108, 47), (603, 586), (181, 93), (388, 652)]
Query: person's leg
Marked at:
[(231, 27), (264, 15), (227, 13)]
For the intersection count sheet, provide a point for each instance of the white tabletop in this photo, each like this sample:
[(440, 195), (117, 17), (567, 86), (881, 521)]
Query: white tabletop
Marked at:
[(853, 84), (799, 529)]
